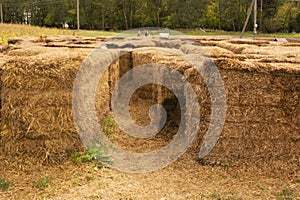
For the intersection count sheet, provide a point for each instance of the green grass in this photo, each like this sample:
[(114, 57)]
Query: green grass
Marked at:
[(4, 185), (95, 154), (217, 196), (286, 194), (43, 182), (87, 33), (109, 125), (8, 31), (237, 34), (225, 164), (85, 157)]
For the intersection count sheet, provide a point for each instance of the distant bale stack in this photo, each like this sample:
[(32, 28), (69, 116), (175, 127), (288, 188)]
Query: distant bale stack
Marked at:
[(37, 124)]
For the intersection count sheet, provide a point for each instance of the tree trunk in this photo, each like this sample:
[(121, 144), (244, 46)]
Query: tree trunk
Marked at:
[(220, 15), (261, 16), (125, 16), (103, 19), (158, 12), (239, 15), (131, 14)]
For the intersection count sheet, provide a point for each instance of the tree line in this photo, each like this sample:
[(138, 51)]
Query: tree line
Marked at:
[(228, 15)]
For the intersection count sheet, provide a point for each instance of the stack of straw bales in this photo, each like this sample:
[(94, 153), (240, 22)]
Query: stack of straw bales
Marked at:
[(263, 106), (262, 122), (37, 124)]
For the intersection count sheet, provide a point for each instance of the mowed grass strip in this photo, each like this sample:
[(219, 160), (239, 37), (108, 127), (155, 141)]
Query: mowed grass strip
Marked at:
[(8, 31)]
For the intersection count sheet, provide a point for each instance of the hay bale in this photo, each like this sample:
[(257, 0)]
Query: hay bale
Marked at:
[(37, 124), (237, 49), (262, 122), (216, 52), (250, 42), (269, 148)]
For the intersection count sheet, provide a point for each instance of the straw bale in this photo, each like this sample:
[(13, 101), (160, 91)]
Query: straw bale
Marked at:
[(280, 60), (262, 113), (192, 49), (202, 94), (33, 123), (22, 53), (102, 101), (141, 57), (290, 44), (33, 98), (264, 131), (276, 50), (257, 67), (193, 76), (237, 49), (250, 42), (260, 96), (209, 43), (28, 74), (257, 143), (71, 40), (37, 124), (113, 75), (216, 51), (129, 43)]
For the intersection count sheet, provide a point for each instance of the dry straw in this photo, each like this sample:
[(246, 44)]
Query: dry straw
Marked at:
[(37, 124), (262, 122)]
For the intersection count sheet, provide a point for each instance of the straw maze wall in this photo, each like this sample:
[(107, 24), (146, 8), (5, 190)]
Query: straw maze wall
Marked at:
[(262, 124), (262, 128), (36, 116)]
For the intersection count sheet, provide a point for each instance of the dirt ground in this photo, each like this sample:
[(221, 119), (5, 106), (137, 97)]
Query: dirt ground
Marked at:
[(184, 179)]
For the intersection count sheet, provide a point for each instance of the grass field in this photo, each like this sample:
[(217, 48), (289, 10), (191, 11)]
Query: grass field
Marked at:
[(15, 30), (247, 34)]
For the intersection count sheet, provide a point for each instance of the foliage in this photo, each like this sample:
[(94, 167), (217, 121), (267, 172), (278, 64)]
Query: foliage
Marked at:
[(8, 31), (43, 182), (278, 15), (85, 157), (108, 125), (212, 18), (217, 196), (95, 153), (4, 184), (286, 194), (285, 19), (225, 165)]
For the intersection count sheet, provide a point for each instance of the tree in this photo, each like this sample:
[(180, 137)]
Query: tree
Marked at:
[(278, 15), (212, 15), (284, 19)]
